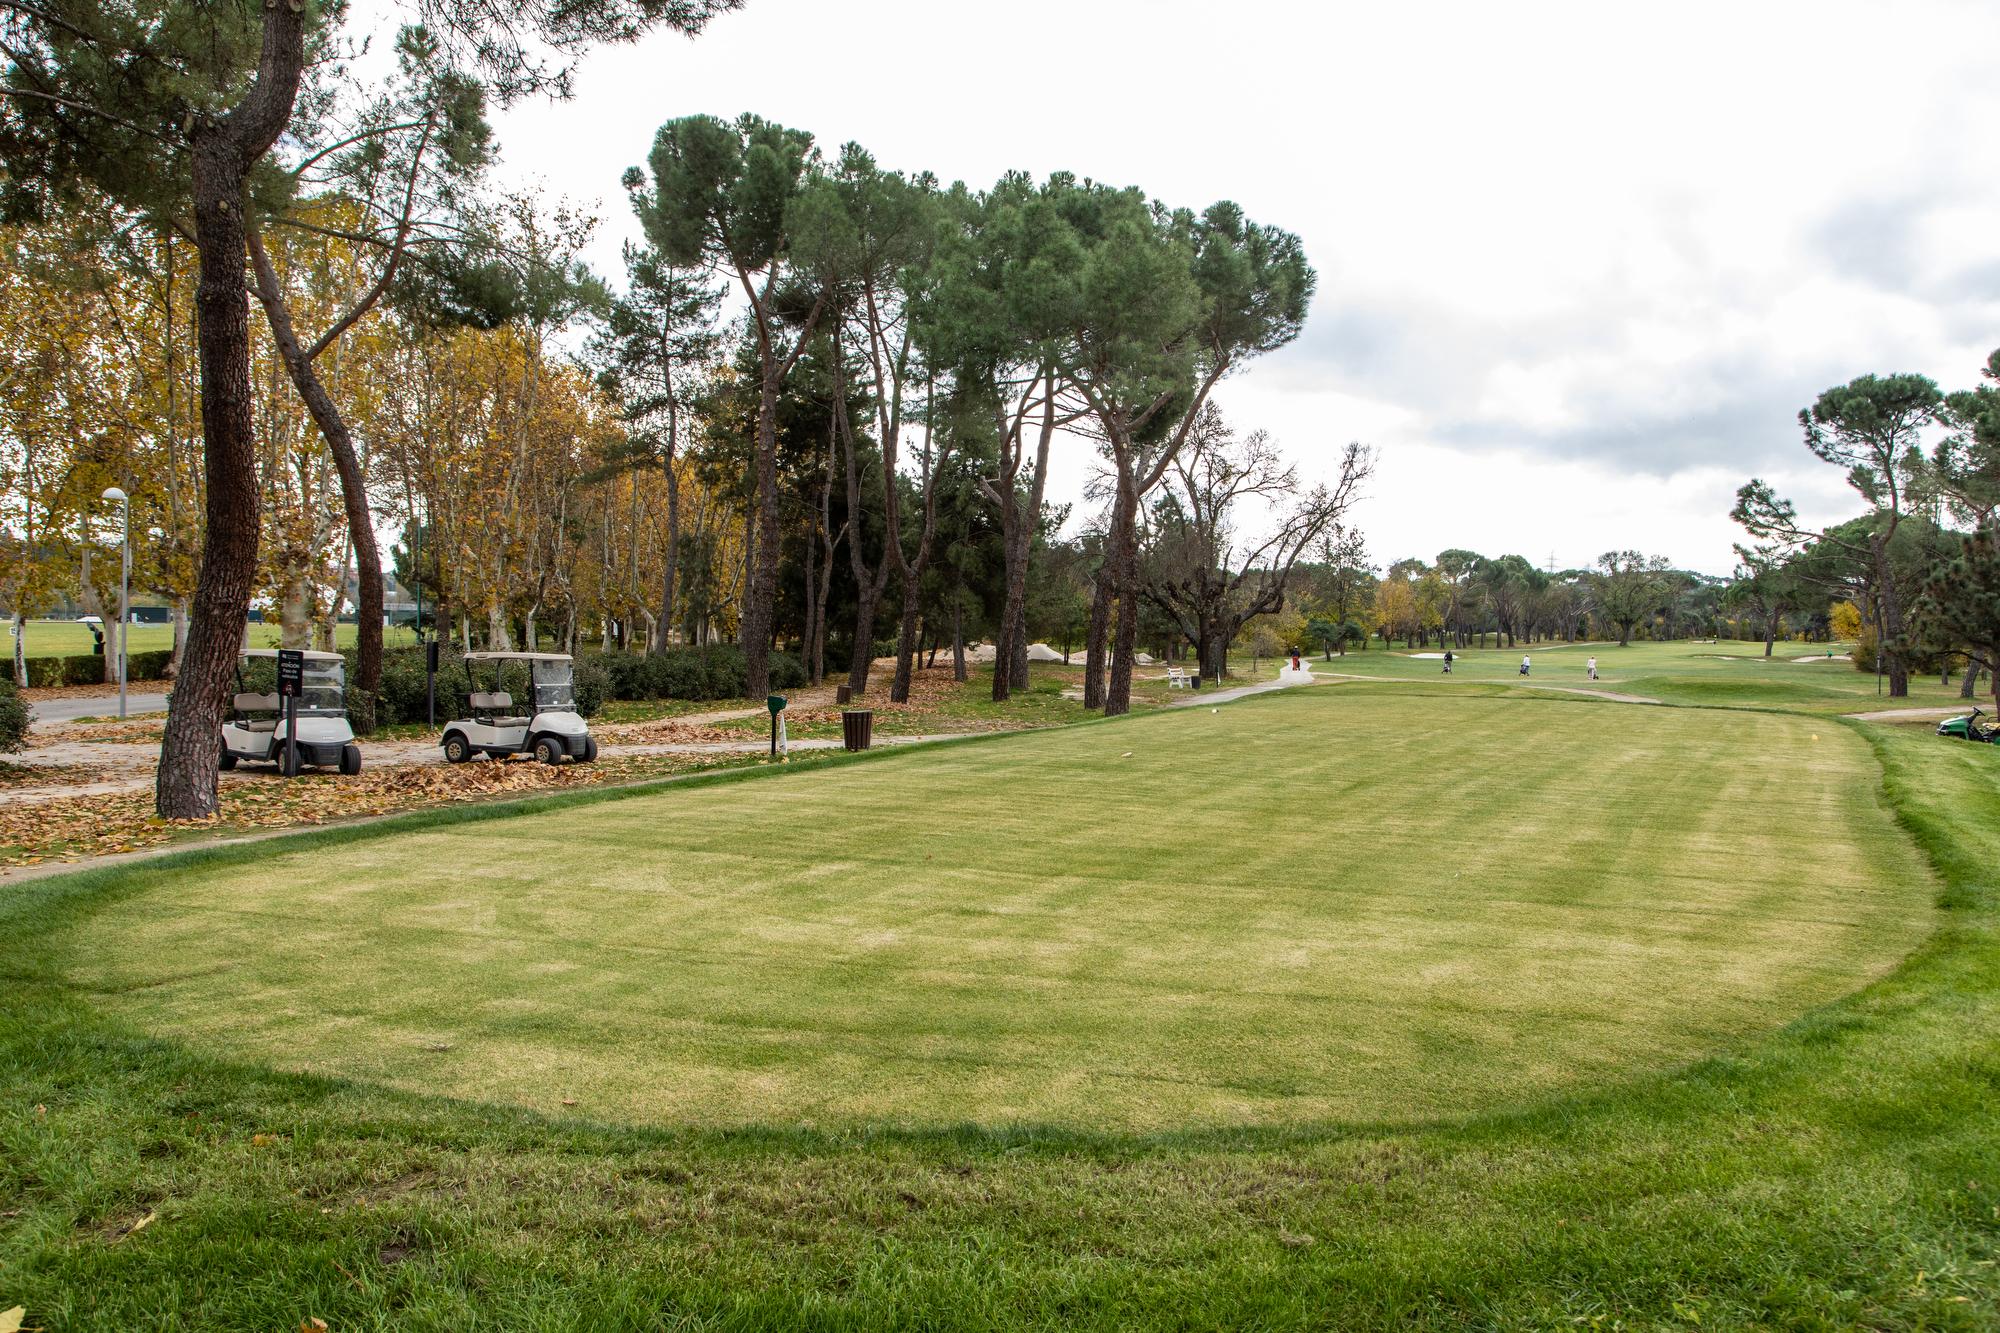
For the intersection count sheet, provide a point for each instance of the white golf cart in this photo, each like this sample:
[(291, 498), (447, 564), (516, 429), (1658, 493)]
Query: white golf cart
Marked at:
[(550, 728), (256, 728)]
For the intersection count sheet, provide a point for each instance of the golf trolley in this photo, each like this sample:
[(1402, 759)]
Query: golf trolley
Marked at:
[(257, 727), (550, 729), (1970, 728)]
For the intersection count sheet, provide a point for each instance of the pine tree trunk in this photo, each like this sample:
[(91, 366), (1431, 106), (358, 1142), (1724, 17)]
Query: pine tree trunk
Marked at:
[(761, 596), (867, 601), (819, 629), (1004, 646), (1125, 542), (1096, 637), (958, 645), (1003, 639), (1097, 632), (1012, 643), (906, 641), (224, 151), (1889, 620), (811, 585), (670, 557)]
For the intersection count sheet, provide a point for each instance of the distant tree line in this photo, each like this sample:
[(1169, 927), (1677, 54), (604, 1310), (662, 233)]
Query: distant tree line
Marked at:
[(1921, 564)]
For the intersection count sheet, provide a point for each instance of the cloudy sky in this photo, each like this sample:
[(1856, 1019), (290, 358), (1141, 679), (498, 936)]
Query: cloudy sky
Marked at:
[(1580, 265)]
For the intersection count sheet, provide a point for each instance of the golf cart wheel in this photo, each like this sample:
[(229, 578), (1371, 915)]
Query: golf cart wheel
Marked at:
[(228, 761), (350, 759), (456, 749), (288, 761), (589, 749), (549, 750)]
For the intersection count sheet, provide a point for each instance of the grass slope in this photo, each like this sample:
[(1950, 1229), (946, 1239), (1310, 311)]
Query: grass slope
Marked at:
[(1389, 914), (1842, 1172)]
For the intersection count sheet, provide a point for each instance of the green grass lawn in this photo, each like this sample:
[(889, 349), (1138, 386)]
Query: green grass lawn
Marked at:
[(1359, 1006), (62, 638), (1414, 931), (1797, 676)]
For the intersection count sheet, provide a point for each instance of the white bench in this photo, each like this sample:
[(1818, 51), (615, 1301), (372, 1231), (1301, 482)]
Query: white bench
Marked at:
[(1177, 679)]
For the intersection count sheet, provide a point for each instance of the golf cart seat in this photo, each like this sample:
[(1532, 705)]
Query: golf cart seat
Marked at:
[(257, 703), (494, 704)]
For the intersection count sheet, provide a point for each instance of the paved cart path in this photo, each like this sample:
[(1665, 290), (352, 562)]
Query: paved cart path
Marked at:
[(47, 712), (1196, 697)]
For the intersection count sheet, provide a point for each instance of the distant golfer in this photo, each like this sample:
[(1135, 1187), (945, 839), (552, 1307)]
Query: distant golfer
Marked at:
[(1295, 659), (1591, 666), (1524, 664), (1447, 661)]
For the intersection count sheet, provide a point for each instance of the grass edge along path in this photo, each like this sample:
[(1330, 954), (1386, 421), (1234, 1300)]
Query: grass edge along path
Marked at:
[(1839, 1173)]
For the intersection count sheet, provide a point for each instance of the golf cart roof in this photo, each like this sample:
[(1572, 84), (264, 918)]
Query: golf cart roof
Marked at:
[(517, 657), (310, 656)]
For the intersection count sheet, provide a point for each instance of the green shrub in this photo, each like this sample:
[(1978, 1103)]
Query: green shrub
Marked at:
[(86, 669), (713, 671), (401, 698), (787, 671), (98, 669), (13, 716), (679, 675), (592, 683), (149, 665), (725, 673), (624, 673)]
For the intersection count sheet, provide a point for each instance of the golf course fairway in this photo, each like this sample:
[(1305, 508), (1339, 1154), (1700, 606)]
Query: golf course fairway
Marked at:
[(1447, 907)]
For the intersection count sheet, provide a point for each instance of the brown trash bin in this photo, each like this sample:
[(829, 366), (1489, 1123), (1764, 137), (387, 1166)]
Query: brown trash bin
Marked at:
[(843, 694), (857, 727)]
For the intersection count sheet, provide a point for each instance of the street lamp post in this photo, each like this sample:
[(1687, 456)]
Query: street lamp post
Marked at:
[(124, 586)]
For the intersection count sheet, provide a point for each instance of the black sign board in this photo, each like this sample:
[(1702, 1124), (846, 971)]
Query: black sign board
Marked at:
[(291, 672)]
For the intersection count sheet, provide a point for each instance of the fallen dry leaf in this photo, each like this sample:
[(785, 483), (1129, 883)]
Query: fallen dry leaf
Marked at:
[(79, 827), (139, 1225)]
